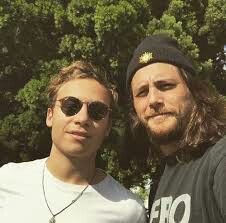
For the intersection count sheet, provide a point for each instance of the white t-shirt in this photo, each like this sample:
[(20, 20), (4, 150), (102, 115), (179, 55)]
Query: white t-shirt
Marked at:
[(22, 199)]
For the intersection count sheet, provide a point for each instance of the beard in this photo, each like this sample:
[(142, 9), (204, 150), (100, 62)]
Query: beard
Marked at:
[(169, 134)]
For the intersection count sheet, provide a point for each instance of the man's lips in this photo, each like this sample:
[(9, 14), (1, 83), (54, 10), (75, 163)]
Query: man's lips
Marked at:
[(79, 134), (159, 114)]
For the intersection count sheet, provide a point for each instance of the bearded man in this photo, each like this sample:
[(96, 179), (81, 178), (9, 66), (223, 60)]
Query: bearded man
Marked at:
[(180, 123)]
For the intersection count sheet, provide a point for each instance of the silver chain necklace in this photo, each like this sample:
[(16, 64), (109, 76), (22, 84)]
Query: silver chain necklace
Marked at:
[(53, 219)]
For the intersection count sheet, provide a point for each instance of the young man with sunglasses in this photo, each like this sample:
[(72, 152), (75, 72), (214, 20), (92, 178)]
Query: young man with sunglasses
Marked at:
[(67, 187)]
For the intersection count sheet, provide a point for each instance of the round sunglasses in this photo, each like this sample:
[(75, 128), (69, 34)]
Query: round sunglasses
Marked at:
[(96, 109)]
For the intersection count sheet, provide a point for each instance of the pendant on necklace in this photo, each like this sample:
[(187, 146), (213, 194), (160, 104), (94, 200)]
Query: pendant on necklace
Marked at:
[(52, 220)]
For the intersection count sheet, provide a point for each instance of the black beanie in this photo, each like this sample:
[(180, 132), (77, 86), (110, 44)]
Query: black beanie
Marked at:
[(157, 48)]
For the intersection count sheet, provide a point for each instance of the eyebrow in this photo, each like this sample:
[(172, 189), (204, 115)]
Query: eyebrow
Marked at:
[(166, 80), (145, 83), (141, 85)]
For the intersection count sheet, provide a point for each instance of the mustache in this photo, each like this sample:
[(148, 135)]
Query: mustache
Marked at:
[(154, 114)]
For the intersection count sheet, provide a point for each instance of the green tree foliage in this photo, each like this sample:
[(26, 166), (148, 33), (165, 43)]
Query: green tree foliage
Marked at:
[(38, 37)]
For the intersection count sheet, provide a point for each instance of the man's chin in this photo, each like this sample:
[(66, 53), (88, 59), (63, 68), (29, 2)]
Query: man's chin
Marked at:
[(164, 137)]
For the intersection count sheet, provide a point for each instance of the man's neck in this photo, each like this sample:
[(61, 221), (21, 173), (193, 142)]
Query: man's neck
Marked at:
[(71, 170), (169, 149)]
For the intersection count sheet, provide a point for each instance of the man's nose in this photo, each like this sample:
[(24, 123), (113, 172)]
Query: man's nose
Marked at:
[(82, 116), (155, 98)]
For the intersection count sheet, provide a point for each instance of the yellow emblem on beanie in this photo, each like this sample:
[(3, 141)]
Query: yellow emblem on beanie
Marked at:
[(145, 57)]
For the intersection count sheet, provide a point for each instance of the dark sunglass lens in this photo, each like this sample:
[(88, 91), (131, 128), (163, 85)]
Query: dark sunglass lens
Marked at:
[(97, 110), (71, 106)]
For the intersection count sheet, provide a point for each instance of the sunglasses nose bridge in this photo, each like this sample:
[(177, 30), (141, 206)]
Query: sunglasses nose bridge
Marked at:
[(83, 111)]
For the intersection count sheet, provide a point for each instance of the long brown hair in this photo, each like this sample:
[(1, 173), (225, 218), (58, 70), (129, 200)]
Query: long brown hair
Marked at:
[(207, 122)]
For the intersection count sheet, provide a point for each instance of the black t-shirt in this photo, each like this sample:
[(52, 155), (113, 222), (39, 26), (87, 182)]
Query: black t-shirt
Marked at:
[(193, 192)]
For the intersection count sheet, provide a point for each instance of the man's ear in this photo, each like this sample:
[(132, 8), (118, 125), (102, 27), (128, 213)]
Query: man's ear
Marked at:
[(49, 117)]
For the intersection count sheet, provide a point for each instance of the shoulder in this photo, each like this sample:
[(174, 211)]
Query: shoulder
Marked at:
[(215, 158), (127, 201), (218, 153), (218, 150), (120, 192), (23, 166), (18, 171)]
